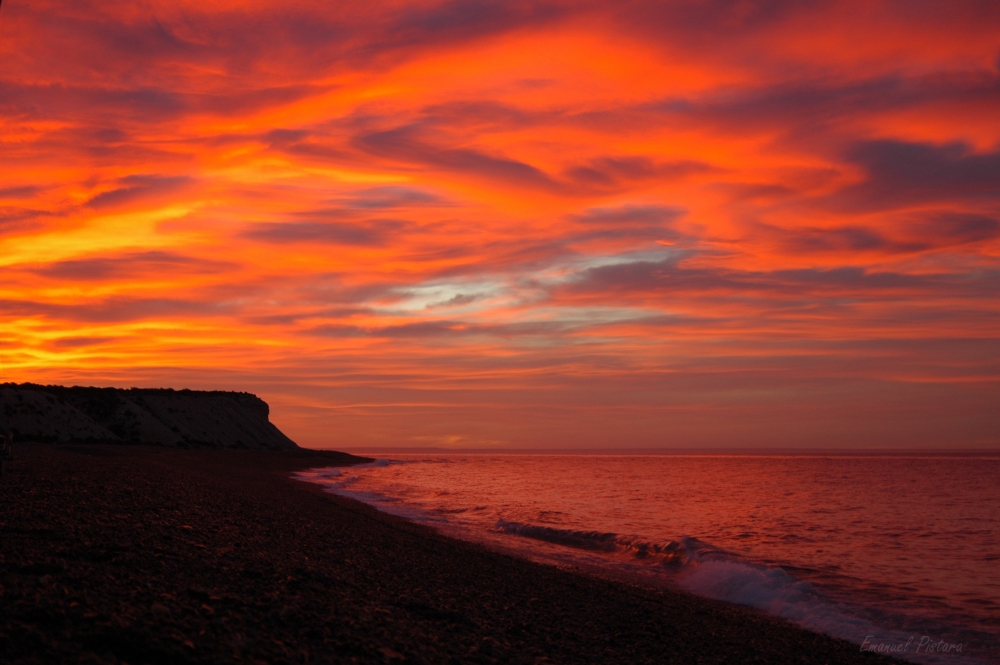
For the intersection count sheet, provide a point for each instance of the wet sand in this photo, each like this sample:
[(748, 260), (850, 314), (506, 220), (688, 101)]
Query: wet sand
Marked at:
[(112, 554)]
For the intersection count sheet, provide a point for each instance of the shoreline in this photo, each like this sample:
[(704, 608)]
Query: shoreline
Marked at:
[(136, 554), (561, 526)]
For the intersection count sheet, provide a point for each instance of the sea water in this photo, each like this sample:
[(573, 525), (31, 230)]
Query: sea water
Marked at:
[(896, 553)]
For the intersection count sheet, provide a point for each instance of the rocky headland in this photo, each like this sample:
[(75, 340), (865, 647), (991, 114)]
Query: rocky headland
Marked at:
[(158, 416)]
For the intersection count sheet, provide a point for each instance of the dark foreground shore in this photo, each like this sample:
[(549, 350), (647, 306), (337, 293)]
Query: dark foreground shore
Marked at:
[(113, 554)]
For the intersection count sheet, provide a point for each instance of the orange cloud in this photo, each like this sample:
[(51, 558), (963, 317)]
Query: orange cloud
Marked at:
[(514, 224)]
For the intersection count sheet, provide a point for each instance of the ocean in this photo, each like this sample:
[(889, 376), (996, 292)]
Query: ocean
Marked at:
[(896, 553)]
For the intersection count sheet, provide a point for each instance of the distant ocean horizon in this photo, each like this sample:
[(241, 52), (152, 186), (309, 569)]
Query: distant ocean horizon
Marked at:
[(374, 451), (896, 551)]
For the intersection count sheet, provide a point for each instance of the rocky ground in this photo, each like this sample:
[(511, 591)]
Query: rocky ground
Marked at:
[(132, 554)]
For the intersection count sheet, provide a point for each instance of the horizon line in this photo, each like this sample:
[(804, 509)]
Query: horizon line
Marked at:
[(940, 452)]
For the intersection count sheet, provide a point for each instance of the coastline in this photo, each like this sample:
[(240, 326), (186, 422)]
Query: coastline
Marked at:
[(138, 554)]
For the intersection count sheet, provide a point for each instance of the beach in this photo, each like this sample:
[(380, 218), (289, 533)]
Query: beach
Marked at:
[(139, 554)]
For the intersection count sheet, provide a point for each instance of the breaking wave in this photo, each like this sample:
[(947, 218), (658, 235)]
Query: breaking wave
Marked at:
[(707, 571), (672, 554)]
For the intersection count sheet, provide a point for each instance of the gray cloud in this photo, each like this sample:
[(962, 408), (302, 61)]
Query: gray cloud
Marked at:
[(369, 232), (401, 144), (900, 174), (136, 187), (130, 264)]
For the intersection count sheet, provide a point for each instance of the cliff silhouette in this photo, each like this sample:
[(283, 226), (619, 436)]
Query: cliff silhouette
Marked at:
[(148, 416)]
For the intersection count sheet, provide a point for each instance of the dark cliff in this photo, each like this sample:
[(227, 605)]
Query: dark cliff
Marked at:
[(163, 417)]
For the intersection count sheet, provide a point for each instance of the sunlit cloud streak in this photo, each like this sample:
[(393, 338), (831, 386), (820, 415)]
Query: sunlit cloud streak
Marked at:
[(512, 224)]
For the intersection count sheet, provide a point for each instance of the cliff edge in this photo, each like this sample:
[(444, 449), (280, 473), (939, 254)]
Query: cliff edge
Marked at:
[(151, 416)]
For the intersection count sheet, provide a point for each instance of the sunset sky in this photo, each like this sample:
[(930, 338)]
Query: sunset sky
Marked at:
[(514, 224)]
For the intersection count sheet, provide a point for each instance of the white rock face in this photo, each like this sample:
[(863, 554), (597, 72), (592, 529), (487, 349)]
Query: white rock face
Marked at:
[(47, 418), (164, 417)]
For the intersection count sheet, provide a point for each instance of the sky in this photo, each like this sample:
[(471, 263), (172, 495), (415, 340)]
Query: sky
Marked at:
[(505, 224)]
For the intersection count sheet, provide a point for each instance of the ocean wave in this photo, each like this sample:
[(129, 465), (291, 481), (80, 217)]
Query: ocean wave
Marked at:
[(710, 572), (335, 476), (780, 593), (673, 553)]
